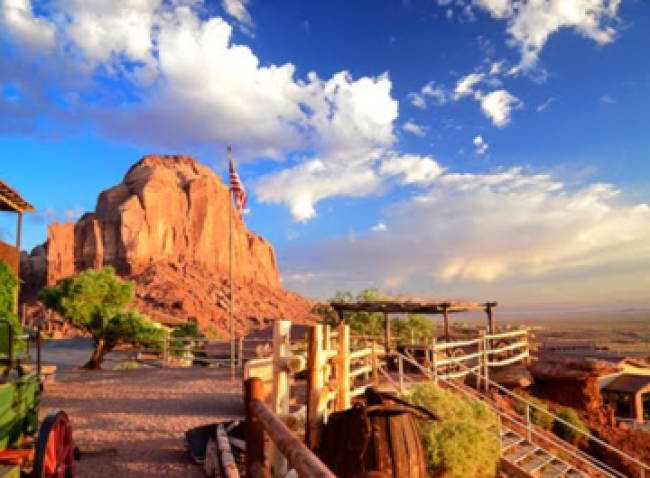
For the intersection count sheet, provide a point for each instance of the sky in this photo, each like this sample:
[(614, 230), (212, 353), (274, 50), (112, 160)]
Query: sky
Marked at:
[(483, 149)]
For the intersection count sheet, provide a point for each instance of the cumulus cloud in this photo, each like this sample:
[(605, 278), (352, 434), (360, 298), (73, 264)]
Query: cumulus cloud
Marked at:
[(607, 100), (481, 145), (417, 100), (497, 105), (465, 86), (468, 232), (379, 227), (414, 128), (543, 106), (184, 81), (532, 22), (436, 94), (412, 168)]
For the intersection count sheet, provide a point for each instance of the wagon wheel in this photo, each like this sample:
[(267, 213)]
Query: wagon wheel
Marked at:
[(54, 454), (211, 462)]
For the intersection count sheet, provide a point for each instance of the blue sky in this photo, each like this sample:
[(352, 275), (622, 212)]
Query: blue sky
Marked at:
[(476, 148)]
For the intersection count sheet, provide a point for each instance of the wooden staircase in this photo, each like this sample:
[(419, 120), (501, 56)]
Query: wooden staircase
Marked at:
[(521, 458)]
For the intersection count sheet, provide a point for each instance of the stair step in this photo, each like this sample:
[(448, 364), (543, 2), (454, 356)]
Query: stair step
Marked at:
[(510, 439), (573, 473), (519, 452), (536, 461)]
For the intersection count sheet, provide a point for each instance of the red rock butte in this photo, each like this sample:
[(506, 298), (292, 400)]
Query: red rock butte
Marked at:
[(165, 226)]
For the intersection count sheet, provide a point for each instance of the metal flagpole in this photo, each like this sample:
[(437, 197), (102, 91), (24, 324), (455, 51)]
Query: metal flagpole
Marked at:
[(232, 323)]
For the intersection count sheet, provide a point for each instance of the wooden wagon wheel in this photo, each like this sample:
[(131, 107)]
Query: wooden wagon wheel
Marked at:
[(211, 462), (54, 454)]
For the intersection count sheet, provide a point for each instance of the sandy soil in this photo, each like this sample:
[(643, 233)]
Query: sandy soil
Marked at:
[(131, 423)]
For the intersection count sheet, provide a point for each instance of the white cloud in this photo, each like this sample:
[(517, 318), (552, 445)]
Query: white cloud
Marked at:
[(481, 145), (437, 93), (417, 100), (414, 169), (510, 233), (237, 9), (497, 105), (17, 18), (414, 128), (607, 99), (543, 106), (465, 86), (496, 67), (379, 227), (531, 22)]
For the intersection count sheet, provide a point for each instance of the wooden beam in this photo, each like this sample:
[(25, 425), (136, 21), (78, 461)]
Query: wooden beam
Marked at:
[(299, 456), (253, 430), (315, 386), (387, 331), (228, 465), (281, 343)]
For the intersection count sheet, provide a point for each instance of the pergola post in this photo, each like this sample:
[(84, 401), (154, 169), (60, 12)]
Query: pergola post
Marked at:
[(19, 233), (387, 331), (339, 313), (445, 315), (490, 318)]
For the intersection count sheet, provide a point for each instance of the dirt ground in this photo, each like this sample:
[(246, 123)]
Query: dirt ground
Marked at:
[(131, 423)]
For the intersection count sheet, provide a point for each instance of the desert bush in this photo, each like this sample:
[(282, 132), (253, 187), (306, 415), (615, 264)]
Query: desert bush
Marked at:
[(567, 433), (460, 444), (96, 301), (537, 416), (414, 327)]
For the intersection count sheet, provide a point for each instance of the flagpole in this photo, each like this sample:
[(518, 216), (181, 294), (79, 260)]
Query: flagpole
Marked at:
[(232, 324)]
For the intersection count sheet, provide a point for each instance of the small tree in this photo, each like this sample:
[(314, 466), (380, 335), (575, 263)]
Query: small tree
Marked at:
[(97, 301)]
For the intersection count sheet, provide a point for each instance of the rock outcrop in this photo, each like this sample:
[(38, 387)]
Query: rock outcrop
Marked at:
[(166, 226)]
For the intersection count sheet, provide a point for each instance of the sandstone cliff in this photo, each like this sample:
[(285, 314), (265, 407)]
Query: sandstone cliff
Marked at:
[(165, 226)]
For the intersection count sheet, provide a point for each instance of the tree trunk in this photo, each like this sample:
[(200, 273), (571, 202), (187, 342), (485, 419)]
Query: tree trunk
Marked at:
[(101, 349)]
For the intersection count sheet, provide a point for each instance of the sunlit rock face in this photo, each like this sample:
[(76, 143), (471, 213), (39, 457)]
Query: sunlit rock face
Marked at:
[(166, 227)]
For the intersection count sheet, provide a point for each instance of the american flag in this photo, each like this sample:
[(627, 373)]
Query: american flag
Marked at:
[(236, 186)]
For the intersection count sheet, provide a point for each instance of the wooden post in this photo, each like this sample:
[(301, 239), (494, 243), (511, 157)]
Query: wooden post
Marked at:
[(434, 360), (445, 314), (240, 352), (400, 368), (529, 434), (387, 331), (343, 368), (490, 318), (486, 362), (375, 365), (281, 339), (315, 385), (253, 430), (479, 360), (166, 347)]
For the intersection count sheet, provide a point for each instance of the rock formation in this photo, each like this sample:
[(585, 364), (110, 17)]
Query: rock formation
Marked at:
[(165, 226)]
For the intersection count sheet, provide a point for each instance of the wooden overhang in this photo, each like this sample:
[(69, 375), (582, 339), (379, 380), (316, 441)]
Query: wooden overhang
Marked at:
[(629, 383), (11, 201), (396, 306)]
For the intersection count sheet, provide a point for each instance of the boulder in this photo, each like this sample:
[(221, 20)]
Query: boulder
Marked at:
[(513, 376)]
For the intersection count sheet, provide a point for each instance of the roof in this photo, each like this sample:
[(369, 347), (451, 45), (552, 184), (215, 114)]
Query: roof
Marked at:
[(629, 383), (10, 200), (413, 305)]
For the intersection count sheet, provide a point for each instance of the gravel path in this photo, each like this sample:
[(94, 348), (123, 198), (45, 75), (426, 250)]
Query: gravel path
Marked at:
[(131, 423)]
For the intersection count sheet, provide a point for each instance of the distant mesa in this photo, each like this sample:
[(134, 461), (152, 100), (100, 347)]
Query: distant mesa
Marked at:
[(165, 226)]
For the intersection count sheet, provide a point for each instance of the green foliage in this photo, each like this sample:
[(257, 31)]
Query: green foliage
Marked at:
[(97, 301), (538, 417), (212, 333), (326, 313), (567, 433), (8, 286), (363, 323), (188, 329), (460, 444), (414, 327)]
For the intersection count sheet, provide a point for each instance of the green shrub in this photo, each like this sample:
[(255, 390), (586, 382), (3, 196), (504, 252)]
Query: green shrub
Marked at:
[(567, 433), (461, 443), (538, 417), (8, 286)]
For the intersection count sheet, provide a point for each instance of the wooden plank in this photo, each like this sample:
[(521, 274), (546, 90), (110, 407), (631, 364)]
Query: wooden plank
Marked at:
[(315, 387), (298, 455), (510, 360), (343, 368), (281, 342), (502, 335)]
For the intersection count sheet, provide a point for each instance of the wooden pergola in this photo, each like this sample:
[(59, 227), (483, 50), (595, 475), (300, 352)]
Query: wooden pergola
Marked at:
[(11, 201), (415, 306)]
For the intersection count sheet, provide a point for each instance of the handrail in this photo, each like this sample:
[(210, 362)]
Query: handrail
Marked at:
[(578, 454), (260, 419), (502, 335)]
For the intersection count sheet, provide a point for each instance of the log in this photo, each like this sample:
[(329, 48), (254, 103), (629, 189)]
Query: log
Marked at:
[(253, 431), (228, 465), (299, 456)]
